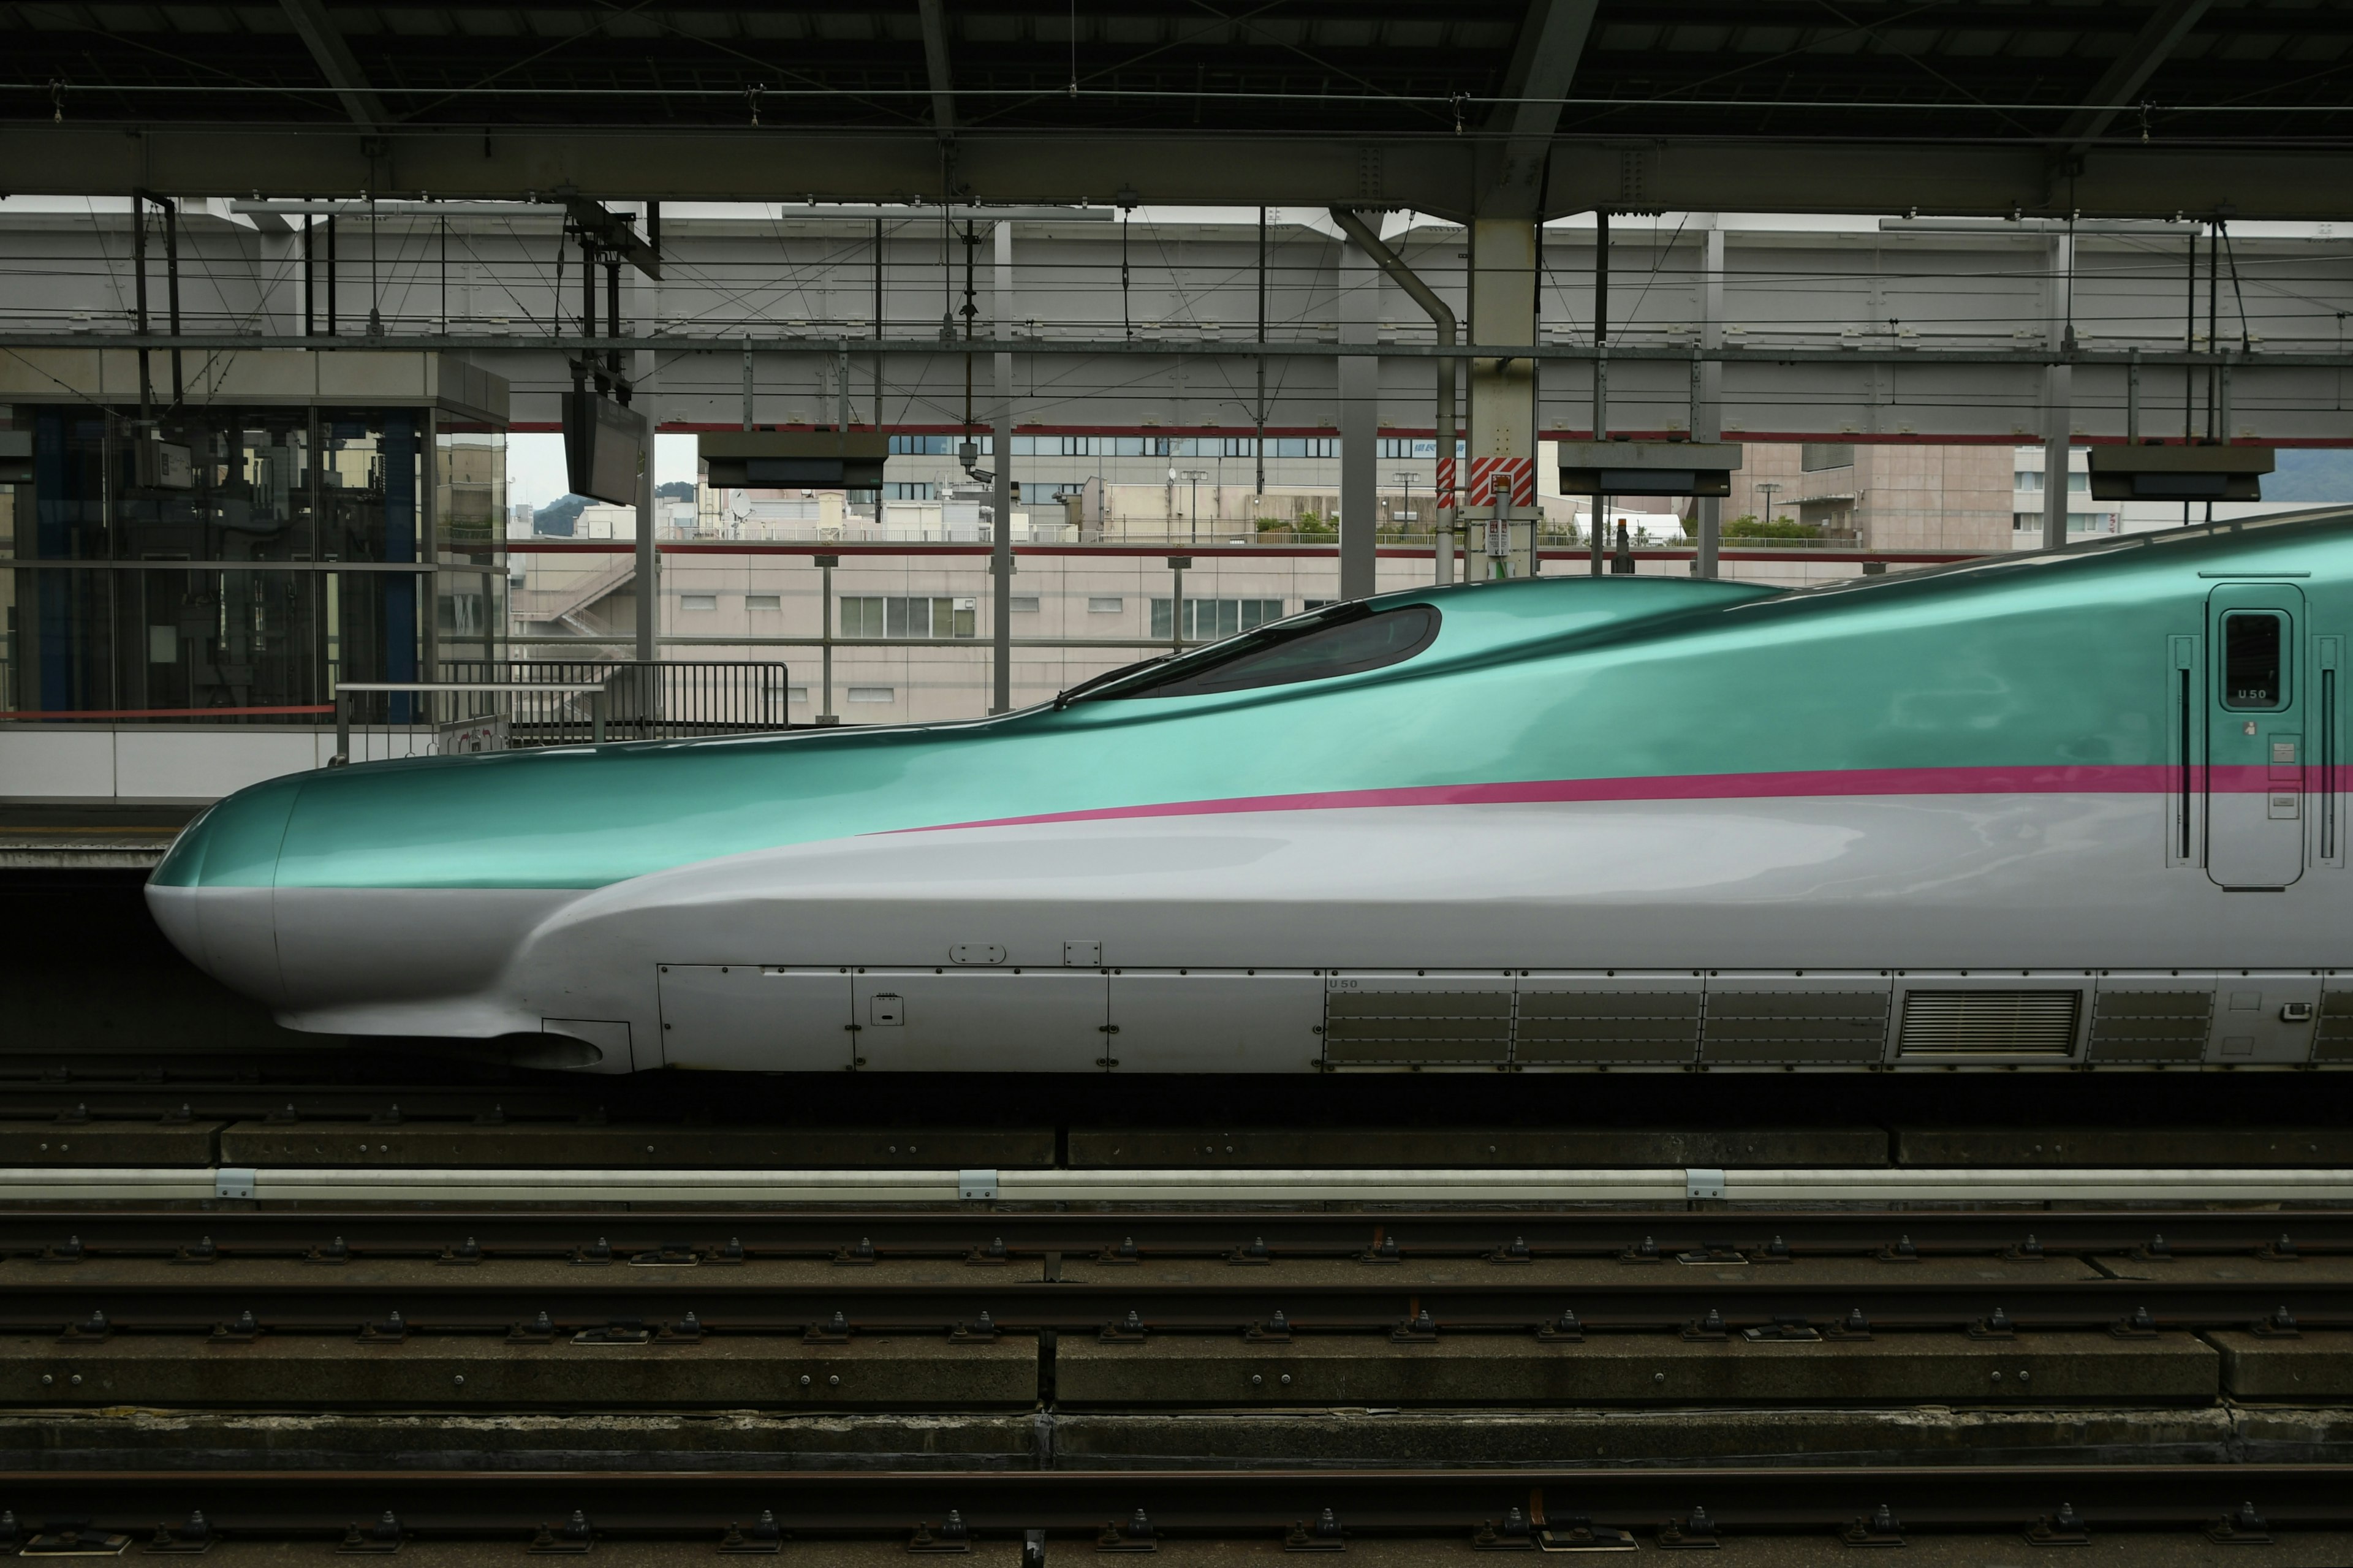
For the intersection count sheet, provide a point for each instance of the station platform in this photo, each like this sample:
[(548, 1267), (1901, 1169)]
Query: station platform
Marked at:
[(91, 836)]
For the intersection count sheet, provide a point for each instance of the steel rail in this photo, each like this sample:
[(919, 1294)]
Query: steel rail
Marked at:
[(739, 1304), (410, 1184), (1499, 1233), (757, 1271), (648, 1503), (1208, 1231)]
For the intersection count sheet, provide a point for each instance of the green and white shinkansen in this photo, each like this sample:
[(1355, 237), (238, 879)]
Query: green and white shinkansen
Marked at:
[(2079, 808)]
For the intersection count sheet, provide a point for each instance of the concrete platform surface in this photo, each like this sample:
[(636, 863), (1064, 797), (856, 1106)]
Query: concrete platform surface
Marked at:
[(130, 1437), (1647, 1439), (452, 1372), (1640, 1368), (2028, 1148), (1174, 1275), (2311, 1366), (670, 1146), (108, 1143), (364, 1276), (2240, 1267), (1598, 1148)]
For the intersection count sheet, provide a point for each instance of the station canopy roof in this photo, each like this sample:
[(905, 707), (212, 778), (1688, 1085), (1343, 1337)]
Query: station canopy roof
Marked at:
[(2064, 82)]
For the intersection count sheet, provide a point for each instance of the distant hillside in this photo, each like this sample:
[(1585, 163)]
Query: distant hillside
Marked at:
[(2319, 474), (677, 489), (558, 517)]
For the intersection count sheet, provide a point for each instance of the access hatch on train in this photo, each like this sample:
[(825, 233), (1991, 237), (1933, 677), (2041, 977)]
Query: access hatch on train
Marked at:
[(2271, 737)]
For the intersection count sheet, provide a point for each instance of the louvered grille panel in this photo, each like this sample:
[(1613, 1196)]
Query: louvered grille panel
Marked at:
[(1794, 1026), (1990, 1023), (2332, 1037), (1364, 1026), (1608, 1026), (2150, 1025)]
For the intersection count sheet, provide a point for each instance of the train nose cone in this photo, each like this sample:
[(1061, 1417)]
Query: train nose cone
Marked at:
[(214, 893)]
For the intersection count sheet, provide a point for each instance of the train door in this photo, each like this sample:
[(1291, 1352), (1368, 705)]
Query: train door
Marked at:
[(2255, 736)]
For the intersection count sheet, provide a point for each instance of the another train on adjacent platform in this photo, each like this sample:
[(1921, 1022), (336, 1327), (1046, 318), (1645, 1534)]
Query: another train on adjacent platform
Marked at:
[(2066, 809)]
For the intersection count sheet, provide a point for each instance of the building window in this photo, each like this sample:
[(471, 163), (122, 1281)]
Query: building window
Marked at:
[(1816, 456), (1208, 620), (913, 489), (933, 446), (1411, 446), (912, 618), (795, 693), (2079, 481), (873, 694), (763, 600), (698, 601), (1023, 604), (2077, 521), (1100, 605)]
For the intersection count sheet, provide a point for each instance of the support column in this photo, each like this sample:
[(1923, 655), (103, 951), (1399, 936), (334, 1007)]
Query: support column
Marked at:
[(428, 548), (401, 544), (2058, 394), (1500, 437), (648, 580), (1360, 405), (1441, 317), (1000, 550), (1707, 423), (645, 303)]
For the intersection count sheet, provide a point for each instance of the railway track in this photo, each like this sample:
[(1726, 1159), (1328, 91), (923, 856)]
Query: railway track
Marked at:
[(2188, 1513), (421, 1279), (935, 1310)]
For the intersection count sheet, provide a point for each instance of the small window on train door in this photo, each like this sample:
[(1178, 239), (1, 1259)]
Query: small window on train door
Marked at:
[(2254, 668)]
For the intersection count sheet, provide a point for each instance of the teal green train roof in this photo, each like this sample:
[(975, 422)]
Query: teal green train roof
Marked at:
[(2047, 660)]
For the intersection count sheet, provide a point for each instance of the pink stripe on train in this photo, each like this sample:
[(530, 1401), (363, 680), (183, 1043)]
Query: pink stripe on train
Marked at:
[(2133, 779)]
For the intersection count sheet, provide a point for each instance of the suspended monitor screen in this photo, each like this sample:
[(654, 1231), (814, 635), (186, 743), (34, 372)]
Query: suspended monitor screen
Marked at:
[(2178, 473), (604, 449), (1648, 467), (778, 459)]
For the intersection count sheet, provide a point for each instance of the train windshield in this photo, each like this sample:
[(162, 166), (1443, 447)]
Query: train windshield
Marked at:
[(1347, 640)]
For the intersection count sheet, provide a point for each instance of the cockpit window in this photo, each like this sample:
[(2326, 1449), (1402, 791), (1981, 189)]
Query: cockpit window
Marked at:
[(1346, 640)]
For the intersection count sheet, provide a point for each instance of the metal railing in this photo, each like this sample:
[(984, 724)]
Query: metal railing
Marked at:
[(667, 699), (490, 705), (401, 735)]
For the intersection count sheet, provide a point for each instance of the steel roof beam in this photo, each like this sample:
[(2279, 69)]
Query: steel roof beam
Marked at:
[(1791, 174), (336, 62), (936, 67), (1544, 63), (2151, 48)]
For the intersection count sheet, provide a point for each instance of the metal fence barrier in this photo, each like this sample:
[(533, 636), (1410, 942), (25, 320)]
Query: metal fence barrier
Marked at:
[(491, 705), (664, 700)]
